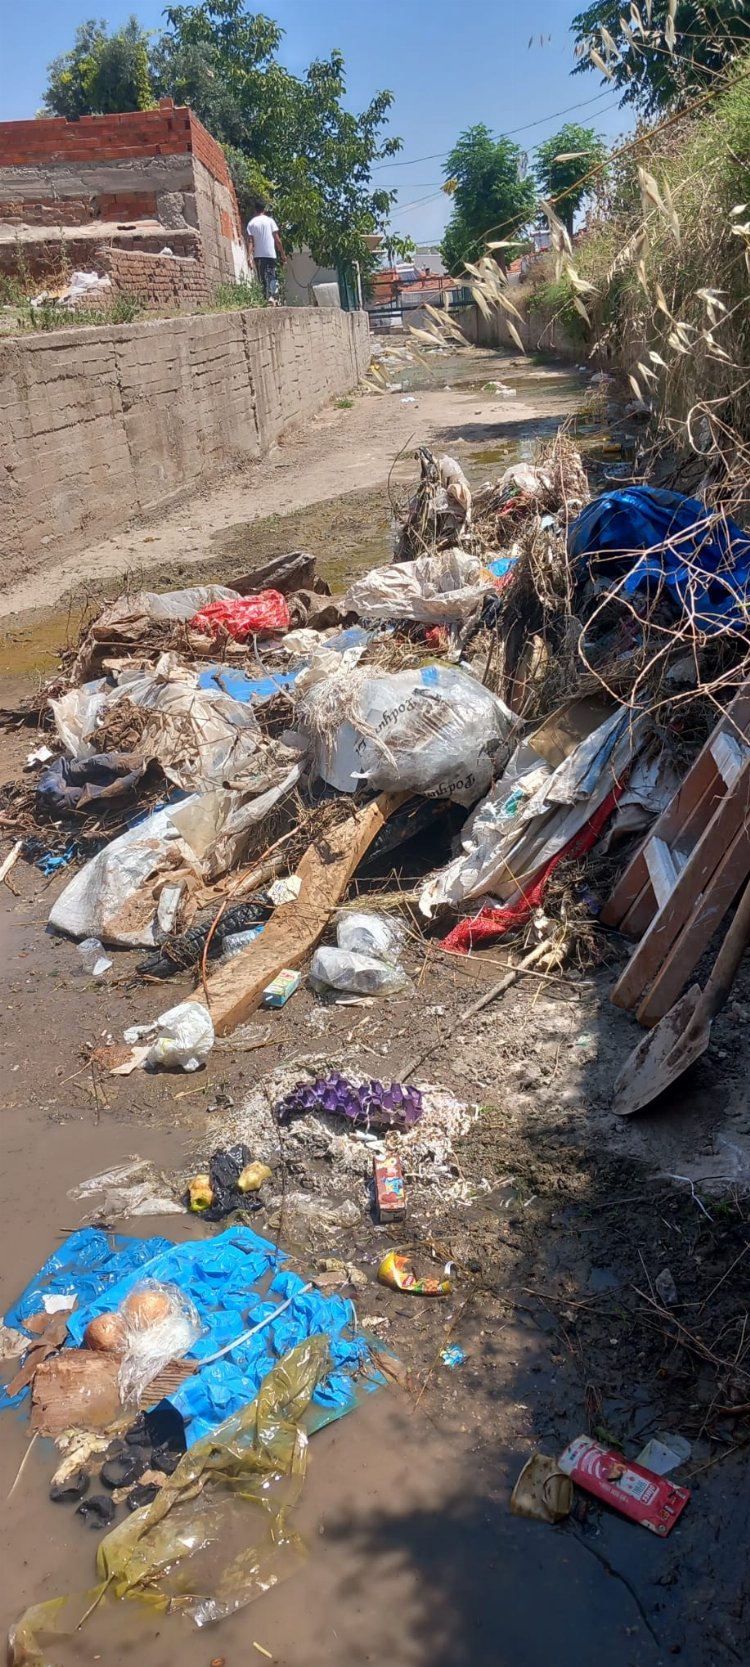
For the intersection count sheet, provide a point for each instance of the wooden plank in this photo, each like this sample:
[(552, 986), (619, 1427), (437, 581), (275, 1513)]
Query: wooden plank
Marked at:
[(294, 928), (629, 888), (685, 818), (661, 869), (708, 914), (694, 880), (728, 755)]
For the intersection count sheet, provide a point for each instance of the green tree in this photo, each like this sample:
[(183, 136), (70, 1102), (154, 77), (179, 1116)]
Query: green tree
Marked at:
[(651, 69), (102, 73), (561, 163), (69, 76), (491, 191), (288, 138)]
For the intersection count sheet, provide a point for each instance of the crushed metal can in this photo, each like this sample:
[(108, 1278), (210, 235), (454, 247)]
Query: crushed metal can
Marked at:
[(640, 1494), (390, 1199)]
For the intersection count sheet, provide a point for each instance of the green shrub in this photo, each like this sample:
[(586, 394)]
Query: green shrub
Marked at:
[(236, 297)]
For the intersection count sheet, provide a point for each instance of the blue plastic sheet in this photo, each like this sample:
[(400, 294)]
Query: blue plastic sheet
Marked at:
[(502, 565), (243, 688), (234, 1279), (643, 537), (88, 1265)]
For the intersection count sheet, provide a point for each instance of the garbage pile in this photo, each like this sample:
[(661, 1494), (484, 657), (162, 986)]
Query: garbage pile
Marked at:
[(180, 1384), (536, 667)]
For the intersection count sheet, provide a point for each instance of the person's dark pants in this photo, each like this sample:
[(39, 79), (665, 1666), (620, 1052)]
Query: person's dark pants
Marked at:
[(268, 277)]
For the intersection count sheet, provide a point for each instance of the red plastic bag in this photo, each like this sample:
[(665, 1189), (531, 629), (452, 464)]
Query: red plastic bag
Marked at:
[(247, 616)]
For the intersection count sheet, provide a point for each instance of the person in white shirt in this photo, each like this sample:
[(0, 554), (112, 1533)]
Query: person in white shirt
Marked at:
[(266, 248)]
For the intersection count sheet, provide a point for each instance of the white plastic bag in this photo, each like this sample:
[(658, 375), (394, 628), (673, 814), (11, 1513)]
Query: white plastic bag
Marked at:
[(160, 1324), (113, 897), (435, 731), (342, 969), (443, 589), (370, 934), (182, 1037), (76, 715)]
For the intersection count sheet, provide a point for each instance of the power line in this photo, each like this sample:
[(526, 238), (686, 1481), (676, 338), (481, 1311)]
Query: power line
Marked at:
[(402, 207), (438, 156)]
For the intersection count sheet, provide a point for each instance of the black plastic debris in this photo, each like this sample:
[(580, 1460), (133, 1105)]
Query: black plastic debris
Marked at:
[(97, 1511)]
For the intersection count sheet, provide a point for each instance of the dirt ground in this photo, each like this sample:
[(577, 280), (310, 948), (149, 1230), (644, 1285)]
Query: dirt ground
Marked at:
[(557, 1217)]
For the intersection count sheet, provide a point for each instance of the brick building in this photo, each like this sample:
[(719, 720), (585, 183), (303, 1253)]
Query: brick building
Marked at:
[(110, 193)]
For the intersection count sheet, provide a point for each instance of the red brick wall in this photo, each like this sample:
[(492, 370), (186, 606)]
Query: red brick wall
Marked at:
[(127, 205), (50, 257), (168, 131), (162, 132), (56, 211), (157, 281), (209, 152)]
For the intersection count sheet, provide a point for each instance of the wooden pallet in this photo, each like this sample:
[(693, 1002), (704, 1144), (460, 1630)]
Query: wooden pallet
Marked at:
[(679, 885)]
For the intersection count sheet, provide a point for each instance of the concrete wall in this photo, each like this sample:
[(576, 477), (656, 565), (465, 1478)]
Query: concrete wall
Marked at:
[(540, 330), (98, 425)]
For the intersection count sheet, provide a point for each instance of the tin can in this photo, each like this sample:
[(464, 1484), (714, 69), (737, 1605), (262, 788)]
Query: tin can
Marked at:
[(638, 1493)]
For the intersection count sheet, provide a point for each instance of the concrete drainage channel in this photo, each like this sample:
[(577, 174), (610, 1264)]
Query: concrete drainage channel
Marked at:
[(346, 1125)]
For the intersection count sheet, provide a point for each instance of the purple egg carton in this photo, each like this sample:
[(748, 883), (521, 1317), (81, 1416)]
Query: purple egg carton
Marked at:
[(373, 1105)]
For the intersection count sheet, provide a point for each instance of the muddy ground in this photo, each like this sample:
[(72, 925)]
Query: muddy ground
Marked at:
[(558, 1218)]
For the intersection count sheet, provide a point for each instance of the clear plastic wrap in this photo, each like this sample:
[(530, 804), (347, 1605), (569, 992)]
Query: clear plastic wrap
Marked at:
[(343, 969), (159, 1324), (370, 934)]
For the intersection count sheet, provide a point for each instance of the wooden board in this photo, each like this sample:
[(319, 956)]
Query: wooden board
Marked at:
[(708, 912), (632, 904), (234, 991), (693, 883)]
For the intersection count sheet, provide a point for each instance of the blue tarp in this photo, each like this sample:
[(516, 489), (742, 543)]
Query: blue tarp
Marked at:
[(221, 1275), (646, 537), (243, 688)]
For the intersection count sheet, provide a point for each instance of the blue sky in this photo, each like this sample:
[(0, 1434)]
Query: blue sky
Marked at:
[(448, 66)]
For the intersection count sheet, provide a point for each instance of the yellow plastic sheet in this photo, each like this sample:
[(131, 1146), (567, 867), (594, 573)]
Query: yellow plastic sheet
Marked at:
[(193, 1550)]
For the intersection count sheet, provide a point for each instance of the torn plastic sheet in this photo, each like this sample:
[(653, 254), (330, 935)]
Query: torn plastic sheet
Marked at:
[(505, 861), (648, 538), (116, 896), (171, 606), (494, 923), (434, 590), (202, 737), (652, 782), (218, 1275), (75, 784), (248, 616), (130, 1189), (218, 1534), (242, 687)]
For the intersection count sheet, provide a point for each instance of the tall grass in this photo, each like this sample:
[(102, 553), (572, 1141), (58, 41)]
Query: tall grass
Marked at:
[(669, 264)]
